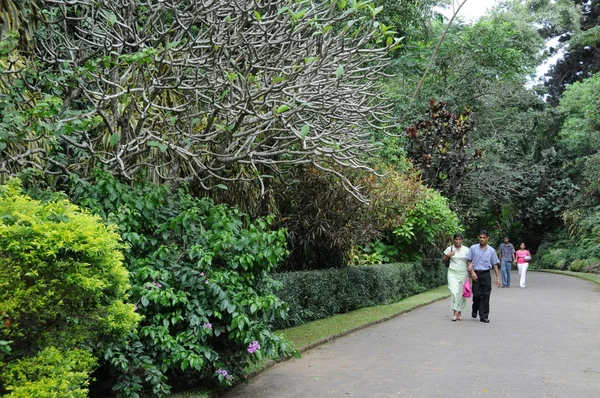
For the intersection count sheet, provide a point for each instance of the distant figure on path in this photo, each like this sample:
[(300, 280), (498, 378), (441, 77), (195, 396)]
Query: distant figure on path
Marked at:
[(481, 258), (523, 259), (507, 258), (457, 275)]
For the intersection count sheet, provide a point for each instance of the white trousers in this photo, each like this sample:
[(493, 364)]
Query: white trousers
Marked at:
[(523, 272)]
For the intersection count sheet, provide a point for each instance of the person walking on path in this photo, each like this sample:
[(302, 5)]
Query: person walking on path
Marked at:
[(523, 259), (457, 275), (480, 260), (507, 258)]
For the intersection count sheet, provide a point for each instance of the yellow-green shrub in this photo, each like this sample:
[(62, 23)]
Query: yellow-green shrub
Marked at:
[(50, 374), (62, 282)]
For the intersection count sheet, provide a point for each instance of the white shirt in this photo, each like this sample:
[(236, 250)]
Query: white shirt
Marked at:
[(458, 262)]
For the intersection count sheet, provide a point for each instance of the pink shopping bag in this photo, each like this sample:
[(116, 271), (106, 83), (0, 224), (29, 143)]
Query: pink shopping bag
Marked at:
[(467, 292)]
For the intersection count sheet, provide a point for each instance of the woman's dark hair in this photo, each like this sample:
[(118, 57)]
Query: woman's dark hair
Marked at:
[(457, 235)]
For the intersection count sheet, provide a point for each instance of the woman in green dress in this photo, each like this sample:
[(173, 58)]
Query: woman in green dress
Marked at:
[(457, 275)]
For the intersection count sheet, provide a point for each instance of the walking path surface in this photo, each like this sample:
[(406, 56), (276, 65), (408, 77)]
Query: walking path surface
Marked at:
[(542, 341)]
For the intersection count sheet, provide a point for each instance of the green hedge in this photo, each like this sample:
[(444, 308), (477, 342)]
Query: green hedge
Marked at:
[(313, 295)]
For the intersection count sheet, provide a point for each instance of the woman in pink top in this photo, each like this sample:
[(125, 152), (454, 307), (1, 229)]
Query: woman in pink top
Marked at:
[(523, 259)]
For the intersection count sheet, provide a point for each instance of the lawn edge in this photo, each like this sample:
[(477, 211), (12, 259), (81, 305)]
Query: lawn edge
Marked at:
[(594, 278)]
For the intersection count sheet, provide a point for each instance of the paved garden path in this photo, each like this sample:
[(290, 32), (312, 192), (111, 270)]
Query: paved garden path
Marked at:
[(542, 341)]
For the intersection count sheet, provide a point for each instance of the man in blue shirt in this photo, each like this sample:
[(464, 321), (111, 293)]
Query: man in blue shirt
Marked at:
[(480, 260), (507, 258)]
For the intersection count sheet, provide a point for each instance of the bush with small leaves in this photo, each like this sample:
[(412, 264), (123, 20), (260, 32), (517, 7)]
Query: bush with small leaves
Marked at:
[(62, 282), (50, 373), (319, 294)]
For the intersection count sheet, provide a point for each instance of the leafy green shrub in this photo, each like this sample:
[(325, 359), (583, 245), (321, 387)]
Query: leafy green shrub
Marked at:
[(577, 265), (62, 282), (551, 258), (318, 294), (328, 227), (201, 279), (376, 252), (414, 221), (50, 374), (428, 227), (546, 261)]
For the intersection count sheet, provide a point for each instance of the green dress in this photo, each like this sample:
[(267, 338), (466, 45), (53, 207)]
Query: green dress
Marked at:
[(457, 275)]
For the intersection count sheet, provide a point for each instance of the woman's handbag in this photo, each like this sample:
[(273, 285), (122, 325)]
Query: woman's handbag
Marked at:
[(467, 292), (447, 262), (527, 258)]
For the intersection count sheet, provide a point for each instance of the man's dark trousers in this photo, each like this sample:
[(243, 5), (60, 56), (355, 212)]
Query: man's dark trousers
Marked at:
[(482, 289)]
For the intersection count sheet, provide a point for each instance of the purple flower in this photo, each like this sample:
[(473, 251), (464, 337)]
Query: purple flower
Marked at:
[(201, 273), (207, 325), (206, 281), (229, 377), (222, 372), (157, 285), (253, 347)]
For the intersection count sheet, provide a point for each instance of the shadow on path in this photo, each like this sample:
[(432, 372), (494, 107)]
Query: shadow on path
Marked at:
[(543, 341)]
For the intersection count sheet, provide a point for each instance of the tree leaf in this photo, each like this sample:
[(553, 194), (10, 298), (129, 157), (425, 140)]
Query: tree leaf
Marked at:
[(283, 108), (159, 145), (304, 131), (114, 139)]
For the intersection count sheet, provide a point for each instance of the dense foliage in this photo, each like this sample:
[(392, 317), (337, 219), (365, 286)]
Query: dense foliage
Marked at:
[(62, 288), (200, 278), (279, 107), (581, 52), (328, 227), (439, 145), (318, 294), (50, 373), (324, 222)]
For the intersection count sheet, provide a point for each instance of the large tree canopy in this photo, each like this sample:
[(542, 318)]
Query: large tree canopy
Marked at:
[(582, 52), (207, 90)]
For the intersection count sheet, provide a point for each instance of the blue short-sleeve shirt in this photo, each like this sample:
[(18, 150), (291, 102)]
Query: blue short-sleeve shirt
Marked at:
[(482, 259)]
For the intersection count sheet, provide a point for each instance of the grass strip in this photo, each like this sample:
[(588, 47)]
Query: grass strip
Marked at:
[(595, 278), (309, 335)]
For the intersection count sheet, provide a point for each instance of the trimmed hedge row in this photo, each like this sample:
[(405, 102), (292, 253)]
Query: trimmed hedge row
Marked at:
[(318, 294)]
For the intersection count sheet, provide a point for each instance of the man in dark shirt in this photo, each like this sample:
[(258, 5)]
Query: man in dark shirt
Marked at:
[(480, 260), (507, 258)]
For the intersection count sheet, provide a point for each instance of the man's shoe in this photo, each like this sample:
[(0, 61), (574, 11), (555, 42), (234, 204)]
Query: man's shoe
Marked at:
[(484, 320), (474, 314)]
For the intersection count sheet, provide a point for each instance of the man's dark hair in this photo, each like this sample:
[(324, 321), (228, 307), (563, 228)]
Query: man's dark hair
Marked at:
[(458, 235), (506, 237), (484, 232)]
